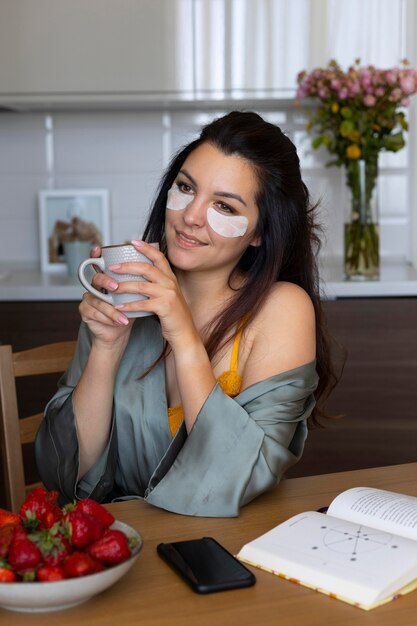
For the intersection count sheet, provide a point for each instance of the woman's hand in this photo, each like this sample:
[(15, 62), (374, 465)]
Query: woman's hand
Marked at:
[(165, 298), (108, 326)]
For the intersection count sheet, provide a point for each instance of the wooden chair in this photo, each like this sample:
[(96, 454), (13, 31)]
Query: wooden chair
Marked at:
[(15, 432)]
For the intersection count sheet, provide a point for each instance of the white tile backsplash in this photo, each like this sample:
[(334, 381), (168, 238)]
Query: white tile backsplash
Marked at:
[(19, 240), (128, 229), (394, 159), (18, 195), (107, 143), (394, 236), (120, 151), (126, 152), (392, 193), (130, 194), (22, 144)]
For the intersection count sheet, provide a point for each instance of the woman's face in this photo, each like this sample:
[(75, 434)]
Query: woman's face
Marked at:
[(213, 214)]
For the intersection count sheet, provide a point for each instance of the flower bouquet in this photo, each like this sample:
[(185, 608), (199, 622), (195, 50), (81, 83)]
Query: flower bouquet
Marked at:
[(360, 112)]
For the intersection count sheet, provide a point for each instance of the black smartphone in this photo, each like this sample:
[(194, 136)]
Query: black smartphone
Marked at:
[(205, 565)]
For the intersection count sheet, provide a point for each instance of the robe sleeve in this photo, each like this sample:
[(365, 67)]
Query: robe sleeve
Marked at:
[(238, 447), (56, 444)]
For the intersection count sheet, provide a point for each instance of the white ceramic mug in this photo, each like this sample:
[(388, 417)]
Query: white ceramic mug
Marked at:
[(114, 255)]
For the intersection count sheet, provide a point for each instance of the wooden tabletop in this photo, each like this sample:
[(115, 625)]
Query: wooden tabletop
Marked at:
[(151, 594)]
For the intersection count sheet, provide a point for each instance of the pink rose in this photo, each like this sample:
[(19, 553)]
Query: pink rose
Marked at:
[(343, 93), (369, 100), (396, 95), (365, 78), (407, 84), (405, 102), (353, 87), (391, 77)]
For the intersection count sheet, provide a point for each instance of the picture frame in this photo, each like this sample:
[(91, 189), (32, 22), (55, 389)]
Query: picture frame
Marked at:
[(67, 214)]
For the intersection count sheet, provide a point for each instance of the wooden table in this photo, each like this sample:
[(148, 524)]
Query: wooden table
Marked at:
[(151, 594)]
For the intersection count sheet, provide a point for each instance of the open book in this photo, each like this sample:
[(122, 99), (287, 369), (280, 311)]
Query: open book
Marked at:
[(362, 551)]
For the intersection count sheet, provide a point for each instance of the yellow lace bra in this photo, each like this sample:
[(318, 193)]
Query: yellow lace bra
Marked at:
[(230, 382)]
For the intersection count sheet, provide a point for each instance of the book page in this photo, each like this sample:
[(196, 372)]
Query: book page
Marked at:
[(357, 563), (385, 510)]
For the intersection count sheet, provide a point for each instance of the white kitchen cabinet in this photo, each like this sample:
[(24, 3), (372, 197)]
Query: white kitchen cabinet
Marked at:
[(56, 47), (98, 51), (158, 51)]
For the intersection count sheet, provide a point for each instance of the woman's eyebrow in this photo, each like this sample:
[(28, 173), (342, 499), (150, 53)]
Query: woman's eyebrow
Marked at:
[(194, 182), (227, 194), (224, 194)]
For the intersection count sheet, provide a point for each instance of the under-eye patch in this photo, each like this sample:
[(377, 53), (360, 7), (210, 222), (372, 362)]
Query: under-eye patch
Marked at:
[(224, 225), (177, 200), (227, 225)]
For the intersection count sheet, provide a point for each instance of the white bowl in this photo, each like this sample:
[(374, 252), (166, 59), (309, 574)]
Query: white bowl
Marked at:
[(62, 594)]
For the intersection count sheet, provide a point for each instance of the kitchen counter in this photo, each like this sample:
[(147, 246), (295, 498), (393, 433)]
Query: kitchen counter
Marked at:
[(397, 279), (20, 282)]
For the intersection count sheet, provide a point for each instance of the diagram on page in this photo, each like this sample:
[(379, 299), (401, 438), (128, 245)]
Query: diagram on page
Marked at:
[(335, 540), (353, 543)]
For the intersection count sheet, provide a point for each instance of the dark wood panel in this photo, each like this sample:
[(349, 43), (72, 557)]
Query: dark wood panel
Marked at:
[(377, 394), (30, 324)]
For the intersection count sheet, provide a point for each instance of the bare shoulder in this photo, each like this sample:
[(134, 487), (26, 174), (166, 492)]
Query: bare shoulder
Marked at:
[(283, 334), (287, 298)]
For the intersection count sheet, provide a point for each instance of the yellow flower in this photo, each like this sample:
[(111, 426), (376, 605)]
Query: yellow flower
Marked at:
[(354, 136), (353, 152), (334, 107)]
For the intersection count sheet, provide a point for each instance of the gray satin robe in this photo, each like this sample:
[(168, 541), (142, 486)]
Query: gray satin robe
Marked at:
[(237, 449)]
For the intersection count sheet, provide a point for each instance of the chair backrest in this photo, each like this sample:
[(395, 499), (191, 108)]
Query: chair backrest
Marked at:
[(15, 432)]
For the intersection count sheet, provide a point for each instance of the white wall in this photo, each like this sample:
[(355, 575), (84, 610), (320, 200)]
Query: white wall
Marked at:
[(119, 152), (126, 152)]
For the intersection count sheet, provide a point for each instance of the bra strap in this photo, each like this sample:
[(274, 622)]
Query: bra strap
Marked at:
[(234, 359)]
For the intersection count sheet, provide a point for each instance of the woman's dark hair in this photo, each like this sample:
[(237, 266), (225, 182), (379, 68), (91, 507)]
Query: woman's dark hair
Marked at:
[(285, 227)]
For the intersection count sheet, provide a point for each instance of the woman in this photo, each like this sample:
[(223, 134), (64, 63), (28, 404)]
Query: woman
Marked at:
[(235, 347)]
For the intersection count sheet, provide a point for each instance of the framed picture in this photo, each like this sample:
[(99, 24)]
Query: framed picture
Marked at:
[(71, 215)]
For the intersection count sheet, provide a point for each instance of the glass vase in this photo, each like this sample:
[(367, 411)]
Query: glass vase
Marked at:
[(361, 257)]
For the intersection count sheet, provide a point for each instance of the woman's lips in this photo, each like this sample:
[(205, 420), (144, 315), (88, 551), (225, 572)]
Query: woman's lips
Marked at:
[(188, 241)]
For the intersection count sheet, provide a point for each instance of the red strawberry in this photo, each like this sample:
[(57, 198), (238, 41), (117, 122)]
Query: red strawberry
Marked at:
[(6, 536), (7, 518), (52, 544), (49, 573), (82, 528), (99, 567), (96, 510), (79, 564), (60, 552), (111, 548), (7, 575), (49, 518), (40, 509), (23, 554)]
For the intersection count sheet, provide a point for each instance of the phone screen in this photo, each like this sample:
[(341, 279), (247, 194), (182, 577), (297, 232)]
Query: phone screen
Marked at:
[(206, 565)]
